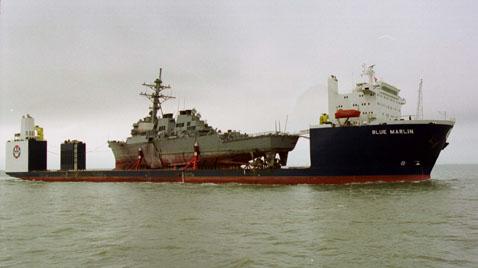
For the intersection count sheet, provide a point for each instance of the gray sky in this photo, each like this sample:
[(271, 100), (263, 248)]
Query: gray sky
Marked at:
[(77, 66)]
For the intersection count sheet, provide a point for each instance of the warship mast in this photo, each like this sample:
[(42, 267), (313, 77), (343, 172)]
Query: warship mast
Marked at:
[(156, 97)]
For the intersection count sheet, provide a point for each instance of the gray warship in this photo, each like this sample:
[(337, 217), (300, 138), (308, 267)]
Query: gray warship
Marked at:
[(187, 141)]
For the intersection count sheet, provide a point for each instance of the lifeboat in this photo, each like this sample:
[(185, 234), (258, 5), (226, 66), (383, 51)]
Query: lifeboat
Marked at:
[(347, 113)]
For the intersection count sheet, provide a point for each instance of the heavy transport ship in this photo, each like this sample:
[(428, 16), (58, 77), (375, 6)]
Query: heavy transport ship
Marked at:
[(364, 138)]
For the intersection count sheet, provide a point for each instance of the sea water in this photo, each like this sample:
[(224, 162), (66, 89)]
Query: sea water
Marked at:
[(427, 224)]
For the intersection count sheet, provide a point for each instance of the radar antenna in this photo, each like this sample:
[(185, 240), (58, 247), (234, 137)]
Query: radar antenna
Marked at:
[(419, 114), (157, 97)]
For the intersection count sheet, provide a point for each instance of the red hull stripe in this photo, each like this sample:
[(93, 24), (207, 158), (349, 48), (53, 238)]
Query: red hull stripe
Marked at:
[(244, 179)]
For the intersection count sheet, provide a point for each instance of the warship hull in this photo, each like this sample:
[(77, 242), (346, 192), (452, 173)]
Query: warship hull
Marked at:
[(342, 155), (214, 151)]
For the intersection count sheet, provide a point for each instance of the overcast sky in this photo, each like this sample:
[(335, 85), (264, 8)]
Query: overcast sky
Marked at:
[(77, 66)]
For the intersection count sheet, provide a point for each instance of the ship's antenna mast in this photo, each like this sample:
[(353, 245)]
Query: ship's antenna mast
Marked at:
[(156, 97), (419, 114), (368, 71)]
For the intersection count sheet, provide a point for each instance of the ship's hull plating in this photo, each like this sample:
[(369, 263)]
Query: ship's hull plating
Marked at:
[(266, 177), (214, 152), (375, 153), (395, 149)]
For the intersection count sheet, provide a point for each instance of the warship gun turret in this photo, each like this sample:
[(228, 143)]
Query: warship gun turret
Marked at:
[(169, 142)]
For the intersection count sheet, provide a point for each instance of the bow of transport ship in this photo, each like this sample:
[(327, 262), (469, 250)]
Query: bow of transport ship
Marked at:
[(363, 139)]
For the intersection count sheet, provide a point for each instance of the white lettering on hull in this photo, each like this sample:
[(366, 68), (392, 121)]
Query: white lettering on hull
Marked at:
[(399, 131), (379, 132)]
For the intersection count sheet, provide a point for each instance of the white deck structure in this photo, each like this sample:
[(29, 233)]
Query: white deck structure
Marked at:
[(376, 100)]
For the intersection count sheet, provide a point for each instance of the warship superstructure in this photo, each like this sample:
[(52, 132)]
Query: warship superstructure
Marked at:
[(168, 142)]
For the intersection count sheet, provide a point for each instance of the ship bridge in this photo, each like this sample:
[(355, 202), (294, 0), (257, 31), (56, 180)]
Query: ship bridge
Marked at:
[(377, 101)]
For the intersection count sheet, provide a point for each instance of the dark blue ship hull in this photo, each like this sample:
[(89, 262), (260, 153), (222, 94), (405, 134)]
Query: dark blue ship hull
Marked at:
[(393, 149), (375, 153)]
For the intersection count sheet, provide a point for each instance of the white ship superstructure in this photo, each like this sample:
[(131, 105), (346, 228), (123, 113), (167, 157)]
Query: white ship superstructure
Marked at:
[(376, 100)]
